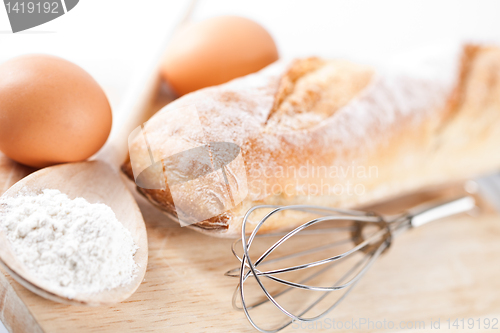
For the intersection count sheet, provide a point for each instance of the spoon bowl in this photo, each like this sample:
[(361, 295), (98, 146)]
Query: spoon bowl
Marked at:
[(96, 182)]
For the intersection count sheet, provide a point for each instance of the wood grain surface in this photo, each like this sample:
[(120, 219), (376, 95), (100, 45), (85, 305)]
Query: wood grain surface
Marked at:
[(446, 270)]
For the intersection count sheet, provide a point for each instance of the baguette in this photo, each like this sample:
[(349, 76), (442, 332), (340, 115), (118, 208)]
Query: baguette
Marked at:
[(329, 133)]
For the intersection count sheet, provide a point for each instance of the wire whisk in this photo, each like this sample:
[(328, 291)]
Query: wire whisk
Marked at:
[(366, 236)]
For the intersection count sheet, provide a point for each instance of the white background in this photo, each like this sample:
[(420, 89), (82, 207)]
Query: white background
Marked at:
[(112, 39)]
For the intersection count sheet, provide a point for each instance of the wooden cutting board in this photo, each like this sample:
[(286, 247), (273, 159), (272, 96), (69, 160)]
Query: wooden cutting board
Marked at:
[(445, 270)]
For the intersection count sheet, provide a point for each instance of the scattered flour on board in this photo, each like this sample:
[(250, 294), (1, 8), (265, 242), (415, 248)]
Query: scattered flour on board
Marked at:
[(73, 245)]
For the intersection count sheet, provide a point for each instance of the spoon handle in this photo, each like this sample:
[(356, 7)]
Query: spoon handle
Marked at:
[(135, 108)]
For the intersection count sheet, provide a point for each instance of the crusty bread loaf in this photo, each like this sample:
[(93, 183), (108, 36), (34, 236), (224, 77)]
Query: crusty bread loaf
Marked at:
[(334, 133)]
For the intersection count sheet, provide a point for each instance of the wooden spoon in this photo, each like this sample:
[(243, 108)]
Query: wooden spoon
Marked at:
[(97, 181)]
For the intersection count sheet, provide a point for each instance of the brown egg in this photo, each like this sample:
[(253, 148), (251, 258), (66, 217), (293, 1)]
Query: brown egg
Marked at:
[(51, 111), (215, 51)]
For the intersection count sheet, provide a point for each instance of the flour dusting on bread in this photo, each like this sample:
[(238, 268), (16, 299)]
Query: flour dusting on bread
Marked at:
[(391, 124)]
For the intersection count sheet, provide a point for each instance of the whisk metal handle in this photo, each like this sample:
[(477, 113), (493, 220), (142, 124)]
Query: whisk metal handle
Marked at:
[(435, 212)]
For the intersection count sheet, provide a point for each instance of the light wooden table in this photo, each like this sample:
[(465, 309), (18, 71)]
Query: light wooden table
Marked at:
[(446, 270)]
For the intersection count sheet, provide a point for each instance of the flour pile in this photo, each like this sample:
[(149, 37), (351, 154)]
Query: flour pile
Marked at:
[(75, 246)]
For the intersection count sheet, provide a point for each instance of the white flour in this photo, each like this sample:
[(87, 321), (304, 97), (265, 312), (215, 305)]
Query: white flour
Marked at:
[(75, 246)]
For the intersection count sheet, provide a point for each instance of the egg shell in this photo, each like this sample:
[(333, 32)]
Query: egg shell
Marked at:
[(51, 111), (215, 51)]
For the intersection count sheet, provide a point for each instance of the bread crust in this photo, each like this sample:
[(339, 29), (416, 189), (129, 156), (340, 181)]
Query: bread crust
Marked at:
[(380, 132)]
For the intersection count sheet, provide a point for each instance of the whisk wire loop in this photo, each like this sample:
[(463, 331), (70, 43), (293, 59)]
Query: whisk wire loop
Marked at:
[(371, 246)]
